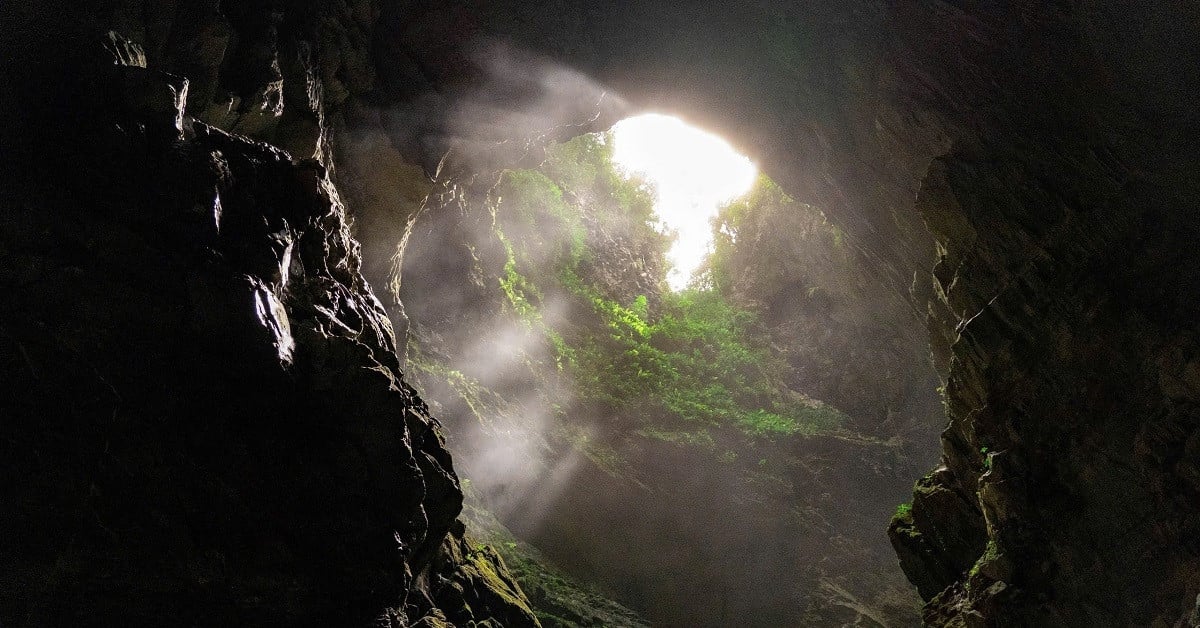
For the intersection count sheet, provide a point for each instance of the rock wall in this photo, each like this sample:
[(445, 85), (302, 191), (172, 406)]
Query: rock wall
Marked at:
[(831, 317), (1065, 318), (205, 420)]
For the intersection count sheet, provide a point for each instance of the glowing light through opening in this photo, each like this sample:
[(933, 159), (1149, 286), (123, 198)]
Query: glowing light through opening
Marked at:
[(694, 173)]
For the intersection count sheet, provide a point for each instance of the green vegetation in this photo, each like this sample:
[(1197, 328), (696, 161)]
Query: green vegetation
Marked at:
[(991, 555), (814, 260), (615, 372), (674, 366), (903, 511), (716, 272), (574, 256), (987, 459)]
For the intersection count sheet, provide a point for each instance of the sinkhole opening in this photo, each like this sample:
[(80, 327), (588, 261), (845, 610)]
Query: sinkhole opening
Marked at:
[(693, 173), (661, 376)]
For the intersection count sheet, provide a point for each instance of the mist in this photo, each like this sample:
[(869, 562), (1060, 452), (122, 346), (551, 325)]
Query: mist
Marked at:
[(782, 503)]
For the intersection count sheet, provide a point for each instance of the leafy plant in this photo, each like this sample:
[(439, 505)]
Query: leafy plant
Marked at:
[(693, 361)]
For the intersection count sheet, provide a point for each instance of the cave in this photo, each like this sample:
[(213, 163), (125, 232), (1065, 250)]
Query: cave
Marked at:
[(650, 436), (264, 263)]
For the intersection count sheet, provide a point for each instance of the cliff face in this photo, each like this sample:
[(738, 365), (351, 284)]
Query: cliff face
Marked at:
[(1064, 277), (825, 308)]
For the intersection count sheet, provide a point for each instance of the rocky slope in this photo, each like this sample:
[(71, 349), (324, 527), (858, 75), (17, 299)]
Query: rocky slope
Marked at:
[(557, 598)]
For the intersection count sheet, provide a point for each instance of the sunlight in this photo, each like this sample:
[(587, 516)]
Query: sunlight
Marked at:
[(694, 173)]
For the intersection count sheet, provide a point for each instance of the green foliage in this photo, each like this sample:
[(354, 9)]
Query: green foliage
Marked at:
[(903, 511), (700, 438), (752, 257), (516, 287), (839, 236), (473, 395), (719, 374), (679, 367), (730, 222), (585, 166), (991, 553), (697, 362), (987, 459)]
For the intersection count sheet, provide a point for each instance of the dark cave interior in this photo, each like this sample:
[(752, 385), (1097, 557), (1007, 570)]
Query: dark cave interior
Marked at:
[(266, 263)]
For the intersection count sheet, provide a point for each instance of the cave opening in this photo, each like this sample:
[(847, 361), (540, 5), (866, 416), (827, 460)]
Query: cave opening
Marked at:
[(640, 422), (693, 173)]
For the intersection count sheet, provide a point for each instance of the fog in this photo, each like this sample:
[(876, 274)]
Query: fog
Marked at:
[(790, 529)]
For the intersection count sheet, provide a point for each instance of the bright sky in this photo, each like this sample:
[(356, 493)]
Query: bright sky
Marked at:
[(694, 172)]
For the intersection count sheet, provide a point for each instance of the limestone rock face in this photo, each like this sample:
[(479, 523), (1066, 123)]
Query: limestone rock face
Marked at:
[(1063, 279)]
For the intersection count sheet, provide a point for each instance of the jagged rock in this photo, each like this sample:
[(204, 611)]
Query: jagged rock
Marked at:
[(939, 549), (468, 584), (204, 412)]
